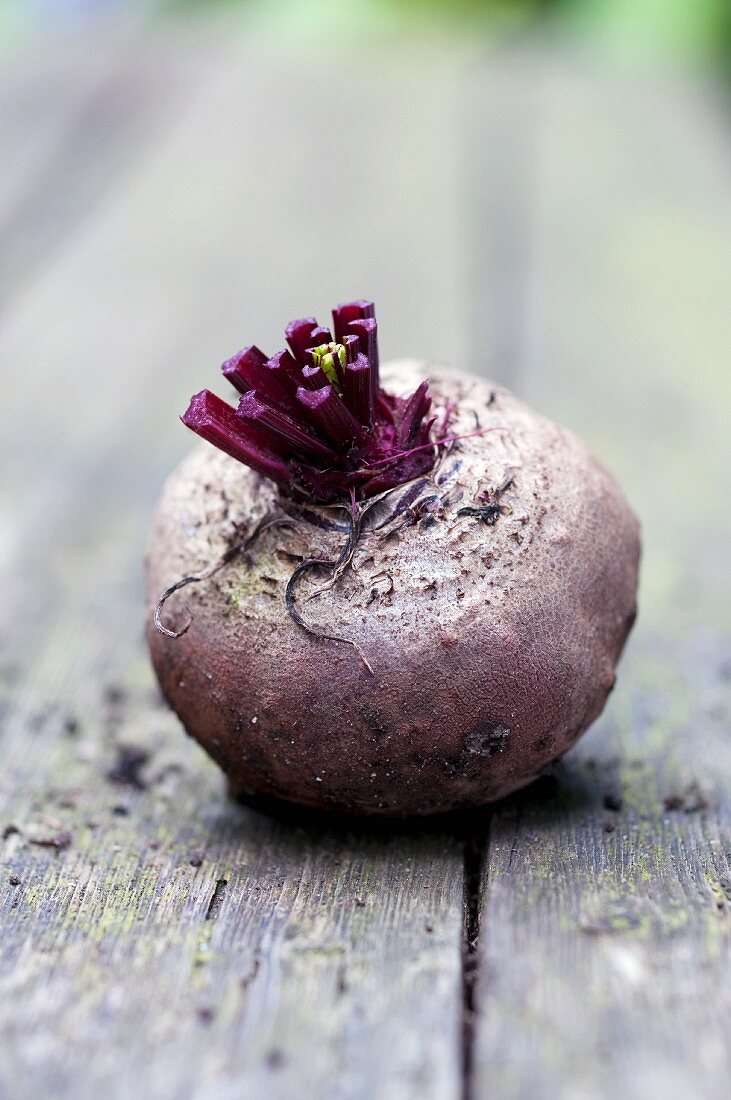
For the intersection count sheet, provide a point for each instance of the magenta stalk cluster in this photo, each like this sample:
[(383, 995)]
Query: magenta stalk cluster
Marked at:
[(314, 419)]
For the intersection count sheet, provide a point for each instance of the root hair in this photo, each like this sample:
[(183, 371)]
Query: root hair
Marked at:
[(238, 546)]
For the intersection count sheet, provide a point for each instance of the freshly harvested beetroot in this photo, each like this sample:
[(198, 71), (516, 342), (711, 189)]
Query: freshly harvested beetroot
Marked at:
[(476, 581)]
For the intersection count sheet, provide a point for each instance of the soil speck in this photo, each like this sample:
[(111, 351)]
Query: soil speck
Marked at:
[(691, 800), (59, 842), (125, 772)]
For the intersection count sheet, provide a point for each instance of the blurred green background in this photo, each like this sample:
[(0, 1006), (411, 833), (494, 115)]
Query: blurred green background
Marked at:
[(695, 32)]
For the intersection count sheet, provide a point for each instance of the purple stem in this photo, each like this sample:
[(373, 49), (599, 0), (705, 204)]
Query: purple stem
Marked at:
[(251, 370), (298, 335), (320, 336), (352, 347), (243, 369), (313, 378), (366, 329), (350, 311), (216, 422), (413, 413), (358, 389), (253, 410), (284, 366), (328, 412)]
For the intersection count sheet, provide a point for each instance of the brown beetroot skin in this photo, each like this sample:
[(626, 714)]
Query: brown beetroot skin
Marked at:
[(493, 647)]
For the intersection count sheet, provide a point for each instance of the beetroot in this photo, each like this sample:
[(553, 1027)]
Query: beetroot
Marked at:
[(484, 584)]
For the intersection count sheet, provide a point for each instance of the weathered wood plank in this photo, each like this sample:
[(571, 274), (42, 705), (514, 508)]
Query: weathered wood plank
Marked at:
[(176, 944), (604, 940)]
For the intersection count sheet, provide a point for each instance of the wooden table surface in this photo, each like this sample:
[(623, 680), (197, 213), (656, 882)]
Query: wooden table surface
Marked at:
[(539, 217)]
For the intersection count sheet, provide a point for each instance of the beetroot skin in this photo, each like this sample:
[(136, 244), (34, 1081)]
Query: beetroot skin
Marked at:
[(491, 597)]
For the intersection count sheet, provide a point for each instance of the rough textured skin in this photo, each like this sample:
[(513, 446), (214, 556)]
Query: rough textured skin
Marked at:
[(493, 647)]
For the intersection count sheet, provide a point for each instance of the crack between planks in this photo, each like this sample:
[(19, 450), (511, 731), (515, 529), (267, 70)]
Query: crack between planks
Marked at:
[(476, 848), (219, 893)]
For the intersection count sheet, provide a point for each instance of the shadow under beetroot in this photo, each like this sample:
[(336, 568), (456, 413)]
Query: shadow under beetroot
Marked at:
[(571, 787)]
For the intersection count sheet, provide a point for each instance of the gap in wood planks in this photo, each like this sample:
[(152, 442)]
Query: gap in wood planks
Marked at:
[(475, 863)]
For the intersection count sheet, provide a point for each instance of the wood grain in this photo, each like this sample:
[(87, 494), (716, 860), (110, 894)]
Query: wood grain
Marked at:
[(157, 938), (604, 927)]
